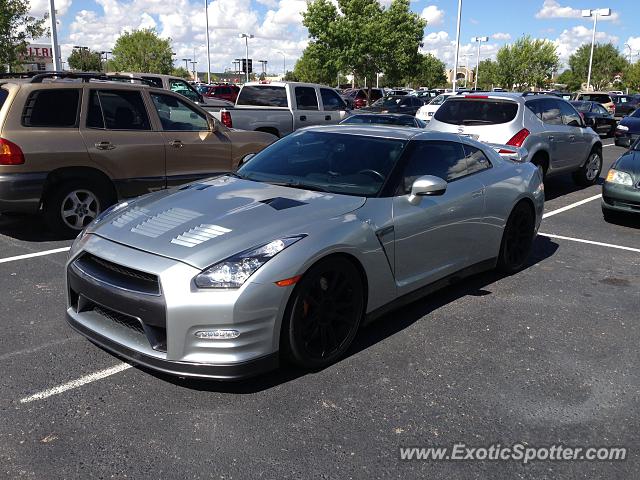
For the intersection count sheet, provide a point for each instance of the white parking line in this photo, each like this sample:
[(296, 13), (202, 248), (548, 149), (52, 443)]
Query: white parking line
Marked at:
[(92, 377), (35, 254), (591, 242), (573, 205), (26, 351), (609, 145)]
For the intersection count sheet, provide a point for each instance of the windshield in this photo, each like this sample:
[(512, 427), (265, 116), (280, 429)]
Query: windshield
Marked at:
[(462, 111), (439, 100), (332, 162), (387, 102), (635, 113), (3, 96), (582, 106)]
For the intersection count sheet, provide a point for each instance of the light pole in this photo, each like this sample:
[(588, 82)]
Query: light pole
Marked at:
[(246, 37), (54, 36), (479, 41), (106, 58), (263, 64), (595, 13), (284, 65), (195, 73), (466, 67), (186, 63), (206, 16), (455, 62)]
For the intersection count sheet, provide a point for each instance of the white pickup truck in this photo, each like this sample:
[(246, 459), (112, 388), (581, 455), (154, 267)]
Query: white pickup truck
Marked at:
[(283, 107)]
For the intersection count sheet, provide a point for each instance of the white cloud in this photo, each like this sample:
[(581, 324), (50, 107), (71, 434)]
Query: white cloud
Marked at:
[(501, 36), (38, 8), (433, 15), (443, 47), (571, 39), (553, 9), (634, 43)]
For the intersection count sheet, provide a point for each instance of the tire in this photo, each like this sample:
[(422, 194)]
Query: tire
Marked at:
[(609, 216), (589, 173), (541, 165), (85, 199), (517, 239), (323, 314)]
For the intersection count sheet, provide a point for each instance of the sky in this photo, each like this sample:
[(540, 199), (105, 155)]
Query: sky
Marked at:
[(280, 35)]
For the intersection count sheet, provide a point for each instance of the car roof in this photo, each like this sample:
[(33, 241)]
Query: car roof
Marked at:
[(384, 131)]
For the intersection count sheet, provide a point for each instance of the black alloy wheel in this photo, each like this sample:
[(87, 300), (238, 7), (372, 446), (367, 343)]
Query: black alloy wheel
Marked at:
[(517, 239), (324, 313)]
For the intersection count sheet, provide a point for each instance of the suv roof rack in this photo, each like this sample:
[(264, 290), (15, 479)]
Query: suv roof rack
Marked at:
[(38, 77), (525, 94)]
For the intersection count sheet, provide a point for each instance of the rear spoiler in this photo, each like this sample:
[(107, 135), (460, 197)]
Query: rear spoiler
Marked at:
[(517, 154)]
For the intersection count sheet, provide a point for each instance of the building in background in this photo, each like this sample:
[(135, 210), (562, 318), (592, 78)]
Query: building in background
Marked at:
[(38, 57)]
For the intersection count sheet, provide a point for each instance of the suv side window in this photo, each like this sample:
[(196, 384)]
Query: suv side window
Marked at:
[(155, 81), (476, 159), (184, 89), (52, 108), (599, 109), (306, 98), (550, 112), (176, 115), (117, 110), (331, 100), (442, 159), (536, 107), (569, 115)]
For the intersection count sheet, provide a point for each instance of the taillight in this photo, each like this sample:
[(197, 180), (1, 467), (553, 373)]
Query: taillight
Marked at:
[(225, 118), (517, 140), (10, 153)]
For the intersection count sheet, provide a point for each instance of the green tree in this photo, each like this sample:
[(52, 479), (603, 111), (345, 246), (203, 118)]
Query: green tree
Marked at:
[(16, 26), (607, 62), (632, 76), (291, 77), (570, 80), (180, 72), (430, 72), (363, 38), (487, 74), (142, 51), (526, 63), (316, 66), (85, 60)]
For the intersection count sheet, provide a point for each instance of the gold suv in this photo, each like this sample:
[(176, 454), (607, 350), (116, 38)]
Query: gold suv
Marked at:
[(71, 145)]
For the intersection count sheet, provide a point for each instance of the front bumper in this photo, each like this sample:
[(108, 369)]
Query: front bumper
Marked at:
[(155, 326), (621, 198), (21, 192)]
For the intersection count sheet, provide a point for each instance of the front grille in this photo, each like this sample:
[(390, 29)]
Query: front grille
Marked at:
[(118, 275), (120, 318)]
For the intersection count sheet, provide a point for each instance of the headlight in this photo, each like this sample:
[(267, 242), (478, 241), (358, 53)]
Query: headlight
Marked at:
[(234, 271), (622, 128), (622, 178)]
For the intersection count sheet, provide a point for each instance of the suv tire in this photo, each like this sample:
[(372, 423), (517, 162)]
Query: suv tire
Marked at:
[(72, 205), (589, 173)]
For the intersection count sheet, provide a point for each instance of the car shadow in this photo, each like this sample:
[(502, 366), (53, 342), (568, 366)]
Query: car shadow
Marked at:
[(561, 185), (630, 220), (28, 228), (370, 334)]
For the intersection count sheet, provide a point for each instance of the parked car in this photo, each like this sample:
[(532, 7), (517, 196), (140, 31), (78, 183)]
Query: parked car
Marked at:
[(426, 95), (326, 229), (597, 117), (406, 104), (621, 189), (603, 98), (357, 97), (625, 104), (553, 132), (222, 92), (397, 119), (167, 82), (398, 92), (628, 130), (426, 112), (71, 149), (280, 108), (563, 95)]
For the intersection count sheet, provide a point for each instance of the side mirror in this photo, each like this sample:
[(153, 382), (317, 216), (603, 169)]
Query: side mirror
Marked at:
[(245, 159), (427, 185), (213, 125)]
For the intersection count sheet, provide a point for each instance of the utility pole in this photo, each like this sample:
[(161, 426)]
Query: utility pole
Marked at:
[(455, 62), (54, 36), (603, 12), (195, 73), (206, 16), (246, 37), (479, 41)]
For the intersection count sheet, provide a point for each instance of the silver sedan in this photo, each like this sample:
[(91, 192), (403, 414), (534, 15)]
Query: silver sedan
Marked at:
[(286, 258)]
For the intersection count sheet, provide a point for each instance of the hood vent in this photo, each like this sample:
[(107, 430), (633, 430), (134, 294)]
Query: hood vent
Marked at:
[(163, 222), (280, 203), (198, 235)]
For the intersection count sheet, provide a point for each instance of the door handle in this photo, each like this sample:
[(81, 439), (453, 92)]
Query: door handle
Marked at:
[(303, 117), (551, 138), (105, 146), (327, 117), (176, 144), (572, 137)]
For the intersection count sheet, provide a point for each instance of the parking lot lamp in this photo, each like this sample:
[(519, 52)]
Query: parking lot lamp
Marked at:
[(54, 36), (246, 37), (479, 41), (206, 16), (455, 62), (595, 13), (284, 64)]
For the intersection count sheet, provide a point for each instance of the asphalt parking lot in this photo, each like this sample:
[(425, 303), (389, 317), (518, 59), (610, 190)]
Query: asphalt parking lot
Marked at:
[(547, 356)]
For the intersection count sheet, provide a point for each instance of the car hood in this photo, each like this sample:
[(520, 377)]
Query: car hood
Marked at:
[(630, 163), (631, 122), (203, 223)]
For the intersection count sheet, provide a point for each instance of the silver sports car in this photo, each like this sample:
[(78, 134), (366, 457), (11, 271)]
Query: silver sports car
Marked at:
[(325, 229)]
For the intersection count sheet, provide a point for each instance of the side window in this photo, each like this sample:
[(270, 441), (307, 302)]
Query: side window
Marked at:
[(331, 100), (569, 115), (117, 110), (263, 96), (441, 159), (600, 109), (550, 112), (183, 88), (177, 115), (306, 98), (536, 107), (3, 96), (52, 108), (476, 159), (154, 81)]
